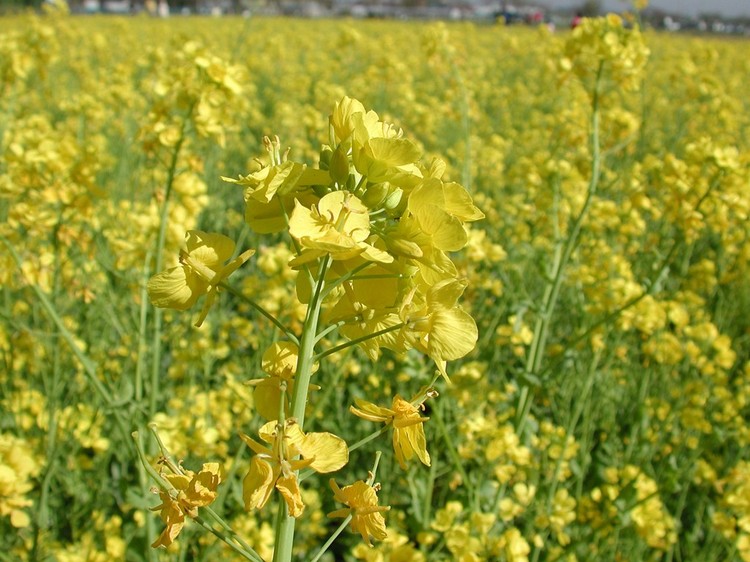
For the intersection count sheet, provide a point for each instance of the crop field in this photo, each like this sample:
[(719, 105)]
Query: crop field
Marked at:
[(337, 290)]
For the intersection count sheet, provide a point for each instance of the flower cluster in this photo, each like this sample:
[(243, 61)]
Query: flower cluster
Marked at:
[(373, 216), (606, 45)]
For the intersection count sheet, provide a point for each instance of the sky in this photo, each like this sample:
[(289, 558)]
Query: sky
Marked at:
[(727, 8)]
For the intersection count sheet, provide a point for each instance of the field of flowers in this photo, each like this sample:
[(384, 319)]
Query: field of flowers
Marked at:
[(464, 292)]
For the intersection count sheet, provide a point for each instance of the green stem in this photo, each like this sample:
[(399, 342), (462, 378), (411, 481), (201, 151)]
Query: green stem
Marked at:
[(552, 292), (306, 359), (275, 321), (356, 341), (142, 346), (159, 264), (249, 555)]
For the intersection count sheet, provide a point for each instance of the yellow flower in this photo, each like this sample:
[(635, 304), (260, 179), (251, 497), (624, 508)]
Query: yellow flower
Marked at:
[(280, 363), (276, 467), (190, 491), (441, 210), (201, 270), (408, 432), (338, 225), (362, 502), (441, 328), (271, 191)]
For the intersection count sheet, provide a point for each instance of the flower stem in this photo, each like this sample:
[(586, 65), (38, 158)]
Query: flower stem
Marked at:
[(356, 341), (158, 266), (306, 359), (275, 321), (552, 292)]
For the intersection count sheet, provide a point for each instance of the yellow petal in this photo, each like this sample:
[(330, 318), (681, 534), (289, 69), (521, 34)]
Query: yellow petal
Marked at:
[(258, 484), (256, 447), (202, 489), (168, 535), (306, 222), (392, 152), (289, 488), (371, 253), (266, 397), (416, 438), (179, 481), (447, 232), (209, 248), (459, 204), (268, 431), (370, 412), (175, 288), (340, 118), (329, 452), (453, 334), (401, 448), (447, 292), (280, 359), (267, 218)]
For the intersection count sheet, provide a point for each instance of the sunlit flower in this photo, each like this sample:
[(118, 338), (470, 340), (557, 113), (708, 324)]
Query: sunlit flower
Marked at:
[(200, 272)]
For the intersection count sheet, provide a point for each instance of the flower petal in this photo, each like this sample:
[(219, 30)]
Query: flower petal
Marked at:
[(289, 489), (175, 288), (329, 452), (258, 484)]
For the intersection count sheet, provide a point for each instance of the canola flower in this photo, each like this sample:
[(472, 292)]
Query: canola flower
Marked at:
[(189, 492), (408, 431), (276, 467), (361, 502), (200, 272)]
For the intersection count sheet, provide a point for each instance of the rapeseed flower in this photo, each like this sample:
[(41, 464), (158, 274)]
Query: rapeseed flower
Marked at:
[(276, 467), (339, 225), (200, 272), (361, 500), (408, 430), (189, 492)]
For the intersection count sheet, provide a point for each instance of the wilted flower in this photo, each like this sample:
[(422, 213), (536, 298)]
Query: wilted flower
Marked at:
[(408, 431), (362, 502), (190, 491)]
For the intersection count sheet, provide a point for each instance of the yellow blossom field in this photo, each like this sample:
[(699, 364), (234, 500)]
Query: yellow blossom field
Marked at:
[(337, 290)]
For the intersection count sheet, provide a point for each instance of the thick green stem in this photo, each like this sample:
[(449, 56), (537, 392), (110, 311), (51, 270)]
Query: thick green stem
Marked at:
[(305, 361)]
